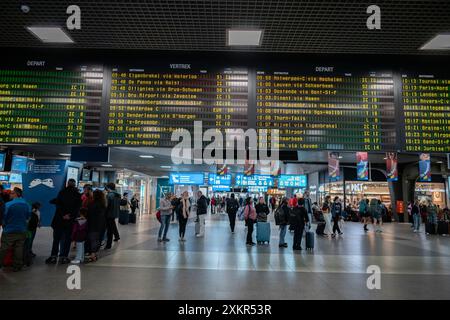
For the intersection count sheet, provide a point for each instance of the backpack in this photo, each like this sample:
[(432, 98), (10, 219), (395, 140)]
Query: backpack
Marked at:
[(279, 217), (292, 217)]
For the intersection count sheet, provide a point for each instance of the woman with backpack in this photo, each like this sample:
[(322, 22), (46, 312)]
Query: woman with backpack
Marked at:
[(282, 220), (250, 219)]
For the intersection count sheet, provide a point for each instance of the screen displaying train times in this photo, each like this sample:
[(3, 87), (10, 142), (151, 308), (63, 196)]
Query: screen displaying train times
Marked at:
[(322, 108), (147, 105), (426, 108), (42, 104)]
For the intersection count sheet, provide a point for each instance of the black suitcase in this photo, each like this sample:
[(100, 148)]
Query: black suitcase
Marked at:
[(320, 228), (124, 217), (132, 218), (442, 228), (430, 228), (309, 240)]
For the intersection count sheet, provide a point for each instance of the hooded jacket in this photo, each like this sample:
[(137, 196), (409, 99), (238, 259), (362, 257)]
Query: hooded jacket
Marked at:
[(68, 202), (113, 205)]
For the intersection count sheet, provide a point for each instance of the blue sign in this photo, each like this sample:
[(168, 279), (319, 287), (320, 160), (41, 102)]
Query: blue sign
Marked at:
[(4, 177), (216, 179), (221, 188), (187, 178), (19, 164), (292, 180), (49, 166), (256, 180), (42, 187), (2, 161), (15, 178), (257, 189)]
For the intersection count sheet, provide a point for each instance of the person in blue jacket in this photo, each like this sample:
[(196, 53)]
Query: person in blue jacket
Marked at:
[(15, 225)]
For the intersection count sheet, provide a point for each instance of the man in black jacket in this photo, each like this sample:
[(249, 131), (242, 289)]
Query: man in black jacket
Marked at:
[(202, 208), (299, 221), (232, 208), (68, 203)]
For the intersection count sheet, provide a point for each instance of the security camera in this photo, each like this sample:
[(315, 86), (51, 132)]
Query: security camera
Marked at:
[(25, 8)]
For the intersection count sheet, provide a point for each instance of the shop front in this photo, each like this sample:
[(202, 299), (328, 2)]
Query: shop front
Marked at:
[(431, 191)]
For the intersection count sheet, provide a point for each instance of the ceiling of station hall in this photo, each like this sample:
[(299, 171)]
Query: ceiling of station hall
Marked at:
[(301, 26)]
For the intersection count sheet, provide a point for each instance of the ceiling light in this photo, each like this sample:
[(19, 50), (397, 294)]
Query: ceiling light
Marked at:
[(439, 161), (50, 34), (146, 156), (64, 154), (340, 157), (240, 37), (439, 42), (107, 165), (166, 167)]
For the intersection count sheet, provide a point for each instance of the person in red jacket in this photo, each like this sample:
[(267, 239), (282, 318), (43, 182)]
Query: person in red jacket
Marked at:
[(250, 219)]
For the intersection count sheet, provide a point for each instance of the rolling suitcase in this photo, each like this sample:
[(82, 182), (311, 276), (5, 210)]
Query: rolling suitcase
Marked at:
[(320, 230), (132, 218), (430, 228), (309, 240), (124, 217), (263, 232), (442, 228)]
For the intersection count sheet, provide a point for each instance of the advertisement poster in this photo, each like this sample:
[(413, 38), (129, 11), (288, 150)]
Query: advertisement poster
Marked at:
[(424, 167), (362, 166), (249, 167), (391, 166), (333, 166)]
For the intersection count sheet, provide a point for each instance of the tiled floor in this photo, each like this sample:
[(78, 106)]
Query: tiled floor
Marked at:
[(220, 266)]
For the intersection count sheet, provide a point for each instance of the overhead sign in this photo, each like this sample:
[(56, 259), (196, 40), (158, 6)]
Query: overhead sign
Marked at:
[(292, 180), (217, 179), (187, 178), (256, 180), (221, 188)]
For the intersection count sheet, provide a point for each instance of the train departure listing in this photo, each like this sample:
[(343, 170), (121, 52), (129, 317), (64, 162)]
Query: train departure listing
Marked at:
[(51, 106), (146, 106), (327, 111)]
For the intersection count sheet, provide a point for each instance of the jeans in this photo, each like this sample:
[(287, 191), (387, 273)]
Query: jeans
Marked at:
[(15, 241), (431, 218), (182, 226), (250, 224), (80, 251), (298, 234), (417, 218), (165, 223), (111, 229), (283, 229), (61, 242), (336, 225), (232, 218)]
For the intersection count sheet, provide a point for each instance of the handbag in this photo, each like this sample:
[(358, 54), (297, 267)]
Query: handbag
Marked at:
[(158, 216)]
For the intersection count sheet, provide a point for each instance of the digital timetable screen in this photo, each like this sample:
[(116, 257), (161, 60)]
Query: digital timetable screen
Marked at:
[(426, 109), (148, 104), (44, 104), (327, 109)]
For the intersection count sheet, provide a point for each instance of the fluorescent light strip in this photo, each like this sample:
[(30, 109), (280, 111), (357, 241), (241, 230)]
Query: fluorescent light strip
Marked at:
[(242, 37)]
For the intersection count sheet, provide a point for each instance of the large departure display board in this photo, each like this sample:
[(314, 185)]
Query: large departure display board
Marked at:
[(148, 104), (426, 109), (42, 104), (321, 108)]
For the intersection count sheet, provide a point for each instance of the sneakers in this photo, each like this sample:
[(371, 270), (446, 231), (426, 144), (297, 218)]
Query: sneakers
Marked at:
[(341, 233), (64, 260), (159, 239), (199, 235), (51, 260), (165, 240), (415, 231)]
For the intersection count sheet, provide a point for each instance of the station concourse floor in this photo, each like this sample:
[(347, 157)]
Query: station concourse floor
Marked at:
[(221, 266)]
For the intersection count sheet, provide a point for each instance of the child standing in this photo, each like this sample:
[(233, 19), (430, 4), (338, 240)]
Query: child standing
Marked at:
[(79, 235), (33, 224)]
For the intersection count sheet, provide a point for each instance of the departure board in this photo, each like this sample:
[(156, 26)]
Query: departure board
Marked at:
[(148, 105), (50, 105), (426, 109), (321, 108)]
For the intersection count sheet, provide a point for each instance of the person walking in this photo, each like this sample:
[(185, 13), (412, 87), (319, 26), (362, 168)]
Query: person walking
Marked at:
[(183, 211), (375, 213), (96, 223), (134, 204), (112, 213), (241, 201), (282, 213), (336, 213), (250, 220), (17, 212), (415, 213), (165, 207), (299, 220), (68, 204), (364, 212), (232, 208), (432, 212), (262, 210), (326, 211), (202, 210), (213, 205)]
